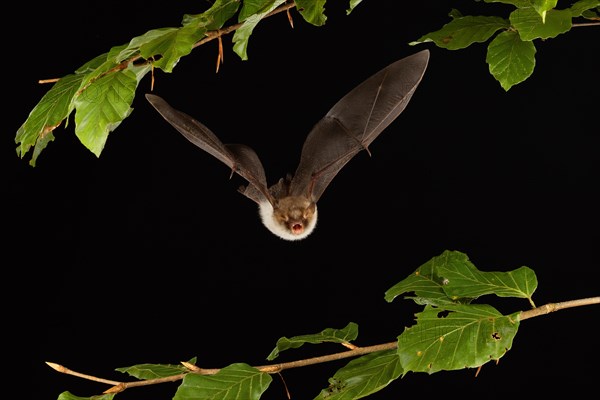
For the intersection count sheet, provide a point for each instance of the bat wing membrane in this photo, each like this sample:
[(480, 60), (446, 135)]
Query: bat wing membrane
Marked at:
[(240, 158), (354, 122)]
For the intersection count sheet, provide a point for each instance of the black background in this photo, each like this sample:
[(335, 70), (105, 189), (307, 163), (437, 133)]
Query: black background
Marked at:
[(149, 255)]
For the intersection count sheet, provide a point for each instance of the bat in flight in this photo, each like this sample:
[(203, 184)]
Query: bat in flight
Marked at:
[(288, 208)]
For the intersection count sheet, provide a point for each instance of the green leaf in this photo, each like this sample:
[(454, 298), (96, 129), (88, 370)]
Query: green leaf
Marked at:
[(352, 5), (96, 68), (313, 11), (542, 6), (454, 14), (451, 278), (530, 25), (516, 3), (510, 59), (154, 371), (102, 106), (155, 37), (242, 34), (461, 32), (70, 396), (54, 107), (426, 283), (235, 382), (171, 45), (456, 337), (580, 7), (215, 17), (593, 15), (251, 7), (345, 335), (98, 64), (363, 376), (464, 280), (168, 45)]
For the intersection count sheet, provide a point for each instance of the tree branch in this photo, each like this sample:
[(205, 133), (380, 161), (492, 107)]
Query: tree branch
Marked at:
[(277, 368), (225, 31), (210, 35)]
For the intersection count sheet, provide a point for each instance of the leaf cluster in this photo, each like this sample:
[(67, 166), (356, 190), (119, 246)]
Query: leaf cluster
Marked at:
[(511, 49), (101, 92)]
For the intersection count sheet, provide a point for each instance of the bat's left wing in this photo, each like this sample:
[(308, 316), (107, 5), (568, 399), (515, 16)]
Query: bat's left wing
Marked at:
[(354, 122), (240, 158)]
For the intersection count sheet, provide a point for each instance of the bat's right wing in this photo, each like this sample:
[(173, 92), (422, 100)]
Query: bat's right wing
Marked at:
[(240, 158), (354, 122)]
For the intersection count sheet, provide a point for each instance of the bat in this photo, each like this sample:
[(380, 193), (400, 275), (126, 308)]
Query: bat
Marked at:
[(288, 208)]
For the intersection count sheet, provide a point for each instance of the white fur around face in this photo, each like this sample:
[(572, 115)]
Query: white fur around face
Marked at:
[(268, 220)]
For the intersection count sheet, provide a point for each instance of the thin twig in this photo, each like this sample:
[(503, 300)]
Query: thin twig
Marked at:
[(585, 24), (551, 307), (65, 370)]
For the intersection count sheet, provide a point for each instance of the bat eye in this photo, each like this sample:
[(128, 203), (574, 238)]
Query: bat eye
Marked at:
[(281, 215)]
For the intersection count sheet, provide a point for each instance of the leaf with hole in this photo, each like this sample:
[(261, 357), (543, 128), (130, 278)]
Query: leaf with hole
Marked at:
[(456, 337)]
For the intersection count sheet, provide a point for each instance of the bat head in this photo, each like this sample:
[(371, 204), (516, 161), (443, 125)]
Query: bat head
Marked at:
[(290, 218)]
